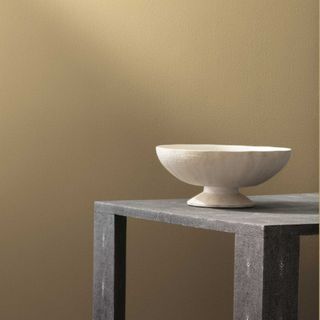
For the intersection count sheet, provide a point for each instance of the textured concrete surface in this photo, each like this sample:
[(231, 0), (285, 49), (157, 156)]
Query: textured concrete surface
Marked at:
[(266, 270), (299, 211), (266, 277), (109, 267)]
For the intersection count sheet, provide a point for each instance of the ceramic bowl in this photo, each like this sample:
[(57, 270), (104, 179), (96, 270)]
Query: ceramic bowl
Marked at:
[(222, 170)]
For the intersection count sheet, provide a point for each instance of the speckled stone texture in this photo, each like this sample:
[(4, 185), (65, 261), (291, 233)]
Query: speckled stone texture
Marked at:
[(266, 249), (109, 267)]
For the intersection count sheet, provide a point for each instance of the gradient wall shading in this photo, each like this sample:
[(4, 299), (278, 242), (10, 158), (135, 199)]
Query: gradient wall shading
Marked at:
[(89, 88)]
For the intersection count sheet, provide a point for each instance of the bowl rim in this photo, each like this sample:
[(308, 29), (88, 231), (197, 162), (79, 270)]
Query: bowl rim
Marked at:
[(228, 148)]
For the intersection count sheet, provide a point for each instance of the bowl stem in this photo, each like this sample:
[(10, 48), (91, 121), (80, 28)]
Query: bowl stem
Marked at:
[(220, 197)]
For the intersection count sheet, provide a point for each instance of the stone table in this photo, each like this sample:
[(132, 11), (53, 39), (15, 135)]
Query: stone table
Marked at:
[(266, 269)]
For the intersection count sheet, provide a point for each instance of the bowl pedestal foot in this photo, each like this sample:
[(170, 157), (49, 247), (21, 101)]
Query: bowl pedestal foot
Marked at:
[(218, 197)]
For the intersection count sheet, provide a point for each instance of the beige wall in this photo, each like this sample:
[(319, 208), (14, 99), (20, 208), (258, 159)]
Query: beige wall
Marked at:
[(88, 88)]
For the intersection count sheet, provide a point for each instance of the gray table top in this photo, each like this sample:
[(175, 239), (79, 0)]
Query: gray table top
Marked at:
[(297, 213)]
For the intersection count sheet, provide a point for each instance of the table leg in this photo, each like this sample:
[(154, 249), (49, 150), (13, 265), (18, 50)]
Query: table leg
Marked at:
[(109, 267), (266, 276)]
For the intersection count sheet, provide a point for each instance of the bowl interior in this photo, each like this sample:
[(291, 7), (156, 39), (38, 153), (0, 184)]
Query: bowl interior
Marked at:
[(221, 148)]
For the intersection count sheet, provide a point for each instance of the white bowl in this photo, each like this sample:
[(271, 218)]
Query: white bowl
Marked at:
[(222, 170)]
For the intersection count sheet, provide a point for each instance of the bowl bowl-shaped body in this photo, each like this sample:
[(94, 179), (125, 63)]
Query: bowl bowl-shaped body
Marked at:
[(222, 169)]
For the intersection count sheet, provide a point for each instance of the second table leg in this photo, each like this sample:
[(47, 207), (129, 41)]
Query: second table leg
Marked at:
[(266, 276)]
